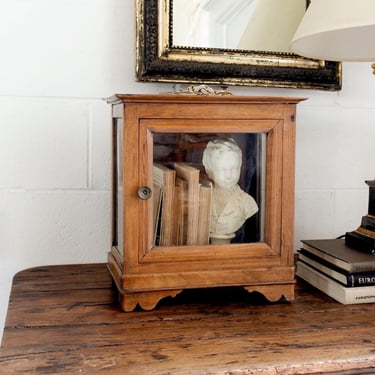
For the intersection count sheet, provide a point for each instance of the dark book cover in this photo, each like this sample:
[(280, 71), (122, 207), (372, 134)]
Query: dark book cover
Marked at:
[(336, 252), (348, 279)]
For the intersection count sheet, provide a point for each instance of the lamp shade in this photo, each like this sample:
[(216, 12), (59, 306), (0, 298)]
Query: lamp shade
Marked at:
[(337, 30)]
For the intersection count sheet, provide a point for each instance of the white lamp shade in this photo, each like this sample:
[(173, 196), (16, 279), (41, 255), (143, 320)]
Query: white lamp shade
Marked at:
[(337, 30)]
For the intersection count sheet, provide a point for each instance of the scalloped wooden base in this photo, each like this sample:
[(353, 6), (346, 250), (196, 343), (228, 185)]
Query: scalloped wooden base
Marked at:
[(145, 300), (273, 292), (149, 300)]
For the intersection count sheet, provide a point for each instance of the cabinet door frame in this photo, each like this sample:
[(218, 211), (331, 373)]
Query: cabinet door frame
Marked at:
[(157, 258)]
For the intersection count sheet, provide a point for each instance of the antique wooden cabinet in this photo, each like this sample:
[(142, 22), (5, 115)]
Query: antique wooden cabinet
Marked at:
[(160, 220)]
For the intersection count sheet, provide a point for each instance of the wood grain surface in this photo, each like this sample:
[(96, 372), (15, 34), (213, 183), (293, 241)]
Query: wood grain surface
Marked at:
[(65, 320)]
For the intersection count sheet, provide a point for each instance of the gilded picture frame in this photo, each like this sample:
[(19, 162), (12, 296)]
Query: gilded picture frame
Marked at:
[(158, 60)]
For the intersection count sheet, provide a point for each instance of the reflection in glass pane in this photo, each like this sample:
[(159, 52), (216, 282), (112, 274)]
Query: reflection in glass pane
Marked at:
[(261, 25), (208, 188)]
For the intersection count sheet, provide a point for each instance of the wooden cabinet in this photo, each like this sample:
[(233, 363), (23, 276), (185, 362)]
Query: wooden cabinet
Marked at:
[(152, 256)]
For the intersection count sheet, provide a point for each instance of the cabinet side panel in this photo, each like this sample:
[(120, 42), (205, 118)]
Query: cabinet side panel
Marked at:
[(288, 185)]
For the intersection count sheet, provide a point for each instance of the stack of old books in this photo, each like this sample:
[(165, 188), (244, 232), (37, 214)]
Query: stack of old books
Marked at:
[(182, 205), (343, 269), (343, 273)]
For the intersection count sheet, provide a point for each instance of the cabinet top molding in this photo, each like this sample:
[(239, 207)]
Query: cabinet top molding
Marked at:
[(188, 98)]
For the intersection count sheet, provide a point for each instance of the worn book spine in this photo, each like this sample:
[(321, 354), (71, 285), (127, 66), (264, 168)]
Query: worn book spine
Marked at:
[(361, 279), (346, 278), (181, 211), (204, 216), (165, 178), (191, 175), (365, 294)]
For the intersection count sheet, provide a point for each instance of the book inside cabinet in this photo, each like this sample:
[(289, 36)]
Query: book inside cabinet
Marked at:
[(202, 195)]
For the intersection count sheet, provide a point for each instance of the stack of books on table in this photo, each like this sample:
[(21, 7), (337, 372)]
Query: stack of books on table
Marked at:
[(343, 273)]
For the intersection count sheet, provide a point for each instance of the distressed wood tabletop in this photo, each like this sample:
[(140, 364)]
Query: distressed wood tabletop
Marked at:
[(65, 320)]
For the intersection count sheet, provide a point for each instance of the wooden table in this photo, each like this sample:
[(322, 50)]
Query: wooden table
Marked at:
[(64, 320)]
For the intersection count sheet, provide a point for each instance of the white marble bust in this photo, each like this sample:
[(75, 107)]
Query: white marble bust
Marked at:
[(231, 206)]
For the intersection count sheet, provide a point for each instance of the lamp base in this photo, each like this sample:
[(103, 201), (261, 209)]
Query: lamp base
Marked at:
[(359, 241)]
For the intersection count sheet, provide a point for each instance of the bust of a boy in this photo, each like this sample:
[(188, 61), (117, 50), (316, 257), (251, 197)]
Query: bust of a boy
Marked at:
[(231, 206)]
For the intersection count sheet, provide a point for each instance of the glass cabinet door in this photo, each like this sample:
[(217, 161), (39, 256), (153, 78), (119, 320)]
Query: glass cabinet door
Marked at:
[(208, 188), (199, 193)]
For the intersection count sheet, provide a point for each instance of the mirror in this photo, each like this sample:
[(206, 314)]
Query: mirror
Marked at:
[(266, 25), (227, 42)]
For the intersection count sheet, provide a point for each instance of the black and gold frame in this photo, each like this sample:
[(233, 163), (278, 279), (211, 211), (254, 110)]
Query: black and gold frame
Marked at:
[(158, 59)]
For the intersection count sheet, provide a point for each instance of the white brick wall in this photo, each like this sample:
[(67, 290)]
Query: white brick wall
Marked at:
[(58, 60)]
